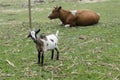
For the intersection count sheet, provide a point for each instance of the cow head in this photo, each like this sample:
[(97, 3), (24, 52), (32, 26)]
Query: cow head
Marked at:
[(55, 13)]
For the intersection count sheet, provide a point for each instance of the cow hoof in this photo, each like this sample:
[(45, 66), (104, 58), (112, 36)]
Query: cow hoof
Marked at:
[(67, 25)]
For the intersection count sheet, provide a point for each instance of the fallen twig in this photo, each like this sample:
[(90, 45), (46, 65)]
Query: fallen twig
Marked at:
[(10, 63)]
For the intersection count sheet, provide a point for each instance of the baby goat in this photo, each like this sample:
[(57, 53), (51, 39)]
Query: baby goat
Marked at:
[(45, 43)]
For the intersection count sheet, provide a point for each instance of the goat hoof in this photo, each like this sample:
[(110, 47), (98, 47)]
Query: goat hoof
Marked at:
[(57, 59), (38, 62), (39, 65), (51, 58)]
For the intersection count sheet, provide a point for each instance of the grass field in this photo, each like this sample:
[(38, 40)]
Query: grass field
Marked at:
[(95, 58)]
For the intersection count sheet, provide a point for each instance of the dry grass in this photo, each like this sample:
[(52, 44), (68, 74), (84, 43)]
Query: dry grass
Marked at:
[(86, 53)]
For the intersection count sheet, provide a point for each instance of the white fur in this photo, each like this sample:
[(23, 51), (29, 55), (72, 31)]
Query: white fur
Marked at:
[(44, 44), (33, 34), (73, 12), (49, 44), (67, 25)]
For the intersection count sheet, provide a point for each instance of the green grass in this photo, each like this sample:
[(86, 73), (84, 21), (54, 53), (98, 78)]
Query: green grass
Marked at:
[(96, 58)]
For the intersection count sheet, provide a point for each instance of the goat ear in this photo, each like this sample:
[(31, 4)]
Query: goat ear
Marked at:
[(59, 8), (37, 31)]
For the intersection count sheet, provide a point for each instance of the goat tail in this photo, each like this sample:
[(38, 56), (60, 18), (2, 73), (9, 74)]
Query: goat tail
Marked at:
[(57, 32)]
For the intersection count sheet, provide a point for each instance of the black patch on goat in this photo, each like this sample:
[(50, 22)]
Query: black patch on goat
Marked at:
[(52, 40), (42, 36), (47, 44)]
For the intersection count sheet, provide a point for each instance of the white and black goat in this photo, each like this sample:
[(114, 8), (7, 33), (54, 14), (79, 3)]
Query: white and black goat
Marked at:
[(45, 43)]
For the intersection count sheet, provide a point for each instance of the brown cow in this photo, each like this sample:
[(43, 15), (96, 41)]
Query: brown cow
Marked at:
[(75, 18)]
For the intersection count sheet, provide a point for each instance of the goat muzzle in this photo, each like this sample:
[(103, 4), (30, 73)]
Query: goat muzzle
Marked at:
[(28, 36)]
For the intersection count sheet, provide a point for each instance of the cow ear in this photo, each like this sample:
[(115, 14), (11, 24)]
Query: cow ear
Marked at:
[(59, 8), (37, 31)]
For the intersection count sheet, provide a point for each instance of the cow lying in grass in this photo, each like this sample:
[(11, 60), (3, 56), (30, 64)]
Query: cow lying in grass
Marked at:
[(75, 18)]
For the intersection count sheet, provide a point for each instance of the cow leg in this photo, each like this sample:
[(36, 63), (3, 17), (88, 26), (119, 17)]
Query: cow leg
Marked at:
[(67, 25), (70, 22), (70, 25)]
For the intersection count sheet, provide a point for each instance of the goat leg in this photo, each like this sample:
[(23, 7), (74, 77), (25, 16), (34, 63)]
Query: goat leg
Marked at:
[(42, 58), (39, 54), (57, 53), (52, 54)]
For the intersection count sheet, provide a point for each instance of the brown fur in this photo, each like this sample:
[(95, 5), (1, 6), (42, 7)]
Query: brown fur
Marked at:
[(81, 18), (39, 45)]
